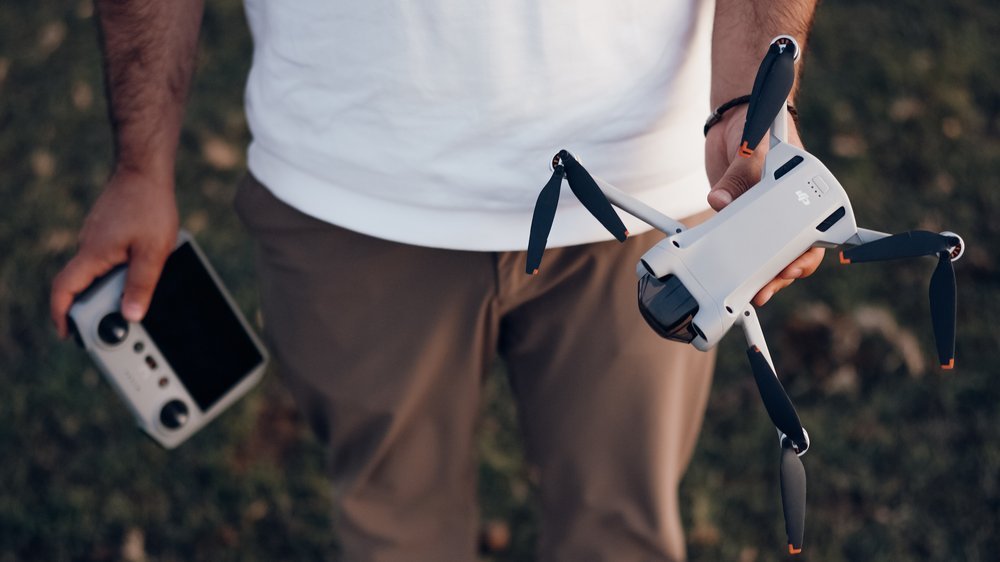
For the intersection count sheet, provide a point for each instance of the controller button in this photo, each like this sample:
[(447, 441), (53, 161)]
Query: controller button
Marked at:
[(174, 414), (112, 329)]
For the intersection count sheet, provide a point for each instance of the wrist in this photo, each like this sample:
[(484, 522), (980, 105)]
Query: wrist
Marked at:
[(720, 112), (148, 154), (158, 176)]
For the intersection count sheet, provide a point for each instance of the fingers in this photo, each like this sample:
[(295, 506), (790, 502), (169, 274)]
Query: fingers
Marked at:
[(144, 269), (133, 221), (71, 281), (741, 175), (769, 290), (803, 266), (143, 272)]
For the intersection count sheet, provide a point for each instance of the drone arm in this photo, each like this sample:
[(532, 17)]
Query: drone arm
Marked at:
[(779, 127), (638, 209), (864, 236), (861, 237), (755, 336)]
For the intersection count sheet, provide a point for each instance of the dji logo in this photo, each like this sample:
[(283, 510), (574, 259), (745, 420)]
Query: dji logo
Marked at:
[(803, 198)]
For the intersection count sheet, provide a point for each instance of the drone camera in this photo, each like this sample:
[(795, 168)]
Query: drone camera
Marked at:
[(668, 308)]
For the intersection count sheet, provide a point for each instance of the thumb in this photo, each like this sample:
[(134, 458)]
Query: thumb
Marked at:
[(143, 272), (741, 175)]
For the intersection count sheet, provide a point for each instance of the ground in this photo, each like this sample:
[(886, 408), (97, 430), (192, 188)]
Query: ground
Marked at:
[(899, 99)]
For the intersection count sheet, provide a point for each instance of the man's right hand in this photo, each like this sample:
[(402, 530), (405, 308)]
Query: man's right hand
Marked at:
[(135, 221)]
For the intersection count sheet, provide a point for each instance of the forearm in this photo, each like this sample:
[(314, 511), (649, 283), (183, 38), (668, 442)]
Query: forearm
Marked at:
[(149, 52), (743, 30)]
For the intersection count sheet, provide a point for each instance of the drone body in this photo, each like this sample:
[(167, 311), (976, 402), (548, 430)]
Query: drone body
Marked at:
[(697, 283), (798, 204)]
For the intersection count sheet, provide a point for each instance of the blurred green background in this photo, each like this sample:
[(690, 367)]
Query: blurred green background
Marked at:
[(899, 99)]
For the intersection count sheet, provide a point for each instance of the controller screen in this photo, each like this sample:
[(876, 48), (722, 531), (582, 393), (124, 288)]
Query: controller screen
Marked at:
[(197, 332)]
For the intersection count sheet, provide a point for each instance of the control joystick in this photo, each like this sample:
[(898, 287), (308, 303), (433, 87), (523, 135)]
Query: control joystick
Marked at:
[(174, 414), (113, 328)]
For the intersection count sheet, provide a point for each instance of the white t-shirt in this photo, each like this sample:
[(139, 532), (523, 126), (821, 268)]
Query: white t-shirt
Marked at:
[(433, 122)]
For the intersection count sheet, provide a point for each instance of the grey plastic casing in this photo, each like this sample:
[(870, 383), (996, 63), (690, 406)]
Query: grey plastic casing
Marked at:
[(759, 234), (144, 390)]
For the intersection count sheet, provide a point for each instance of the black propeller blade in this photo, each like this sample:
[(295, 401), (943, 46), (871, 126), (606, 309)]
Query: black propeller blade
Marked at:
[(793, 474), (911, 244), (793, 496), (943, 292), (541, 221), (771, 87), (944, 302), (776, 401), (587, 191)]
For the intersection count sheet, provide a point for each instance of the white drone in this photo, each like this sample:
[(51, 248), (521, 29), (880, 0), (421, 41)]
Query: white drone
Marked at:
[(695, 284)]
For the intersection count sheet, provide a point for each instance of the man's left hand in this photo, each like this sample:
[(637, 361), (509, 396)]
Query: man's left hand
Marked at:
[(732, 176)]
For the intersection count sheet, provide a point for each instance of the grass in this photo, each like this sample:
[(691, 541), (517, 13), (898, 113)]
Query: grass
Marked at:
[(900, 100)]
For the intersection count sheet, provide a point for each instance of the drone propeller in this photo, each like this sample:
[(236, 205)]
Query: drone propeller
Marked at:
[(911, 244), (585, 189), (943, 293), (944, 302), (793, 496), (776, 402), (771, 87), (794, 442), (541, 221)]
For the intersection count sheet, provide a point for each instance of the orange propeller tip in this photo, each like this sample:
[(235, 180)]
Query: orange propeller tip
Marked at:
[(950, 365), (844, 260), (745, 151), (626, 234), (793, 550), (535, 272)]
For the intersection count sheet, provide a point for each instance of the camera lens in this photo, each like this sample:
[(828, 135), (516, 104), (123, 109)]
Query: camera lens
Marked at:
[(112, 329), (668, 308)]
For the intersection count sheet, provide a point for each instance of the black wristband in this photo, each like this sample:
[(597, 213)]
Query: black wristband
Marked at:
[(716, 115)]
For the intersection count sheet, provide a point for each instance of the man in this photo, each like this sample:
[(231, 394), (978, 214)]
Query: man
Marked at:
[(398, 149)]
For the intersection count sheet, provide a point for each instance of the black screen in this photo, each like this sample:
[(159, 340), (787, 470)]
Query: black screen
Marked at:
[(196, 331)]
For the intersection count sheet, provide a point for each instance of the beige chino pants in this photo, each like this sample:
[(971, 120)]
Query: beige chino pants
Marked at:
[(385, 345)]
